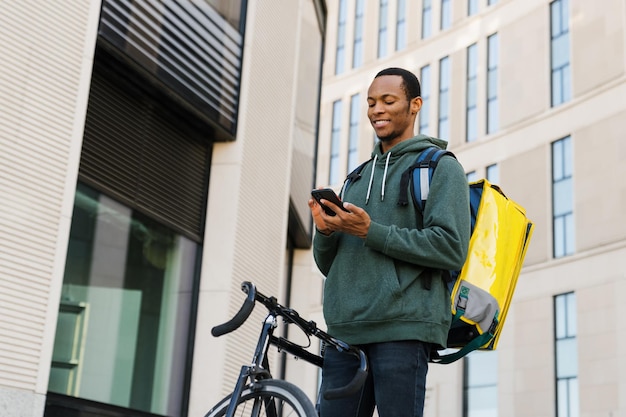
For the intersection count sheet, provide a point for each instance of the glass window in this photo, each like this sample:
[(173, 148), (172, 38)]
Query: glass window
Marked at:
[(401, 26), (471, 176), (383, 28), (427, 18), (472, 7), (562, 198), (471, 102), (340, 54), (490, 2), (481, 384), (446, 14), (125, 308), (560, 52), (357, 57), (335, 140), (444, 97), (353, 140), (493, 174), (493, 52), (566, 350), (424, 115)]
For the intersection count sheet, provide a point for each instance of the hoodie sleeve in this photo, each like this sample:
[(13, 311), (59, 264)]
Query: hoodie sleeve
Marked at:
[(443, 241), (324, 250)]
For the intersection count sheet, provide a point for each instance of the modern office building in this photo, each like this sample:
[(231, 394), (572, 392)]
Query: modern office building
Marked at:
[(529, 94), (153, 155)]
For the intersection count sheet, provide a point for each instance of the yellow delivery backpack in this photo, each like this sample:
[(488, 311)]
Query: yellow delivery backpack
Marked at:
[(482, 290), (484, 287)]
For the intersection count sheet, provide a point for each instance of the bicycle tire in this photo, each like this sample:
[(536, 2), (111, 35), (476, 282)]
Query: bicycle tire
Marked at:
[(288, 398)]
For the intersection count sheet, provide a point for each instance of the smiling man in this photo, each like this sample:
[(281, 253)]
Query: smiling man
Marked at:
[(383, 261)]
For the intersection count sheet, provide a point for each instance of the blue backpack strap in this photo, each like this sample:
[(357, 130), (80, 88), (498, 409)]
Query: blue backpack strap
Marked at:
[(420, 174)]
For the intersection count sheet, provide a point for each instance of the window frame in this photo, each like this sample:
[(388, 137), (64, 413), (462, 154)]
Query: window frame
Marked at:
[(335, 142), (353, 132), (445, 19), (563, 226), (472, 7), (560, 72), (443, 114), (340, 48), (492, 171), (488, 380), (401, 26), (357, 51), (492, 110), (383, 28), (427, 17), (566, 303), (471, 93), (424, 114)]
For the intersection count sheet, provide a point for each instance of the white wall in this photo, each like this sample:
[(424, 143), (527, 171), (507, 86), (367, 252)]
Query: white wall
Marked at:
[(44, 84)]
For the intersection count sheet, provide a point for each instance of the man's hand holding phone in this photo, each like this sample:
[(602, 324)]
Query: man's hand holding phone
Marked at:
[(354, 221), (329, 195)]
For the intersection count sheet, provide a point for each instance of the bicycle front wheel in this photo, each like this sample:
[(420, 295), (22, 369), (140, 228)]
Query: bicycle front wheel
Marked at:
[(271, 398)]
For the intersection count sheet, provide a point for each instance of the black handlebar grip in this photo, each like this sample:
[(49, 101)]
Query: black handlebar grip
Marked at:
[(352, 387), (241, 316), (357, 382)]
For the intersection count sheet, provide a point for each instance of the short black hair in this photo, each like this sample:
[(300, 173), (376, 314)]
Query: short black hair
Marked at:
[(410, 83)]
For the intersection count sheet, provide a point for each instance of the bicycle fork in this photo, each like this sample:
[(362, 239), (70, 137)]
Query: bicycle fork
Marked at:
[(259, 369)]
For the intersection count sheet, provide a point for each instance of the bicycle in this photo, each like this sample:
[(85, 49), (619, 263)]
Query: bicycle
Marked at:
[(264, 395)]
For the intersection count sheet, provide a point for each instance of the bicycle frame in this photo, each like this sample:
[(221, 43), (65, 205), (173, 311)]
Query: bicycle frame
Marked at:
[(259, 368)]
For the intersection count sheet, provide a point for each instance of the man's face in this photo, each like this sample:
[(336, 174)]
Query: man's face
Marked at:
[(391, 115)]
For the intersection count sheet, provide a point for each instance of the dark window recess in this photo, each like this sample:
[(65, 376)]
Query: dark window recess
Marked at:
[(139, 151), (189, 47), (58, 405)]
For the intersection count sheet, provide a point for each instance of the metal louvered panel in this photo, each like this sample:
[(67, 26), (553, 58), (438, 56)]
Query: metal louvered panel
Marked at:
[(187, 45), (135, 149)]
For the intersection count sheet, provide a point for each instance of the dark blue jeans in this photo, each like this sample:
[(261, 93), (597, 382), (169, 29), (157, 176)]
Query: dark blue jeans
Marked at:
[(396, 383)]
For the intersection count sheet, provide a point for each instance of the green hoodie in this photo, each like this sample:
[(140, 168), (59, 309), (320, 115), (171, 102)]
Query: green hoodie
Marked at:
[(390, 286)]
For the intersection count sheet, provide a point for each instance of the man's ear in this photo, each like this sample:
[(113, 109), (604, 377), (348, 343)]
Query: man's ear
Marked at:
[(416, 105)]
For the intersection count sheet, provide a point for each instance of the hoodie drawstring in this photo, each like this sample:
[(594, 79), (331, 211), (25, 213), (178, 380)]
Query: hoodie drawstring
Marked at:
[(369, 186), (382, 189)]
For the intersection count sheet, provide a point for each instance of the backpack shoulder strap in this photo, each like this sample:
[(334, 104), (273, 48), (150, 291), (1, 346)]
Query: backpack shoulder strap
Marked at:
[(355, 175), (420, 174)]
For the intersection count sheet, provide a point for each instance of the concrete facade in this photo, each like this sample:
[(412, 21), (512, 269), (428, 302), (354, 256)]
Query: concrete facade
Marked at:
[(594, 118), (44, 79)]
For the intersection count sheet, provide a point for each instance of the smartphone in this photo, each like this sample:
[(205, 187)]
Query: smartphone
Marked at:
[(329, 195)]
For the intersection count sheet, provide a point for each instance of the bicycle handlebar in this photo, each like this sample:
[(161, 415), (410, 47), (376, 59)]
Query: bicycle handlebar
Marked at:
[(309, 328), (243, 313), (353, 386)]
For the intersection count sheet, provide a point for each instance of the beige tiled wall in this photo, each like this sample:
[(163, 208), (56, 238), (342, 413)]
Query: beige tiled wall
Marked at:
[(44, 84), (249, 193)]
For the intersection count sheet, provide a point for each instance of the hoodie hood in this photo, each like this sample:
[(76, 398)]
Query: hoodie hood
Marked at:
[(414, 145)]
